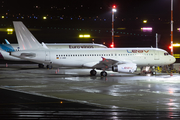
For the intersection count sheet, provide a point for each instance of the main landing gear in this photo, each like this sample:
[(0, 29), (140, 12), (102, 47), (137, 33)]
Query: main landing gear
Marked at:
[(93, 73), (103, 73), (49, 66), (42, 66)]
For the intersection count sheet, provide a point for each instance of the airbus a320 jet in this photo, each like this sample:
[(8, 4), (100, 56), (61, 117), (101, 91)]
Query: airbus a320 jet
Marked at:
[(113, 59)]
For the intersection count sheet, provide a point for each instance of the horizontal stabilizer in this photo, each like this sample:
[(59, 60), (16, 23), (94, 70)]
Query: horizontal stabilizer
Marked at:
[(23, 54), (25, 39), (29, 55)]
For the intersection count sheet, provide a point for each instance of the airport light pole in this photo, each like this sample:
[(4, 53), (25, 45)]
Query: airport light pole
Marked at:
[(113, 10), (171, 27), (156, 40)]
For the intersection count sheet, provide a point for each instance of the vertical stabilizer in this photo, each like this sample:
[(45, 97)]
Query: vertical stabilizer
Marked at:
[(25, 39)]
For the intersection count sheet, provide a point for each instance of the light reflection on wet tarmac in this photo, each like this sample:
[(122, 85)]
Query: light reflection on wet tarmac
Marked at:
[(124, 91)]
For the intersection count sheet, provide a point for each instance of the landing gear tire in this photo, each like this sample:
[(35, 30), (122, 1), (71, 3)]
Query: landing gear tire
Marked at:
[(49, 66), (153, 72), (103, 74), (93, 72), (40, 65)]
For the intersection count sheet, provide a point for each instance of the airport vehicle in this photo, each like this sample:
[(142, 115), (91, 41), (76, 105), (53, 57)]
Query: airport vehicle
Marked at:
[(114, 59)]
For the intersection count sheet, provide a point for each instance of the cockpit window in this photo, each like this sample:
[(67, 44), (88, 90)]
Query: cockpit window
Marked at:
[(165, 54)]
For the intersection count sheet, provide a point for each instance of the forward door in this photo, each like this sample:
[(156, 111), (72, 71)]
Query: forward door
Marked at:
[(156, 55), (47, 56)]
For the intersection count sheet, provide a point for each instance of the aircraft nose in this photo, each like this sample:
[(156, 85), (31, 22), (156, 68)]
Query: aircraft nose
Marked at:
[(173, 59)]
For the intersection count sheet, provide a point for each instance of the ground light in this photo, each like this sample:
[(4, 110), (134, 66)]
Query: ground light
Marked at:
[(144, 21), (9, 31), (44, 18), (84, 36), (146, 29), (112, 45), (175, 45)]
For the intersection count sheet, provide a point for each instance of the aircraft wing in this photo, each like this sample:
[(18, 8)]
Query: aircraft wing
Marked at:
[(114, 65), (104, 63)]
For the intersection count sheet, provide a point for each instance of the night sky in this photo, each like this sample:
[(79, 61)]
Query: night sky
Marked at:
[(68, 18), (130, 7), (142, 8)]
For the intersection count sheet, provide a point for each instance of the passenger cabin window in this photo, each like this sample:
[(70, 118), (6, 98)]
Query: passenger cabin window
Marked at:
[(165, 54)]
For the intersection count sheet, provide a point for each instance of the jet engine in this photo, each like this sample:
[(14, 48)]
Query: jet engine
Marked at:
[(128, 67)]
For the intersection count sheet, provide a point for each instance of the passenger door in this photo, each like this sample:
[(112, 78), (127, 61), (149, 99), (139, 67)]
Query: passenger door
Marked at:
[(47, 56), (156, 55)]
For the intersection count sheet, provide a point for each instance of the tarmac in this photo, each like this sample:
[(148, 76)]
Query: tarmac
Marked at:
[(73, 93)]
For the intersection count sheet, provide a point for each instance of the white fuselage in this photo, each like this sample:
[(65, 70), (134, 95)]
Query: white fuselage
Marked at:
[(6, 48), (90, 57)]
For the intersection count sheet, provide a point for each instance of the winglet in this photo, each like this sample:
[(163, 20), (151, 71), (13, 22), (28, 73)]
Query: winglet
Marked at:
[(25, 39), (7, 42), (103, 58)]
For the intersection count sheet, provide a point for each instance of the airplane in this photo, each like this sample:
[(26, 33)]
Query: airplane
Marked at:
[(105, 59), (6, 48), (15, 47)]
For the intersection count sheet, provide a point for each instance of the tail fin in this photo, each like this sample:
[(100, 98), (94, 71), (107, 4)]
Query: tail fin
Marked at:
[(25, 39)]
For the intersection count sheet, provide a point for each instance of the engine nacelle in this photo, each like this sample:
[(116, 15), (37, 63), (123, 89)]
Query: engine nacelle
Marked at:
[(129, 67)]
